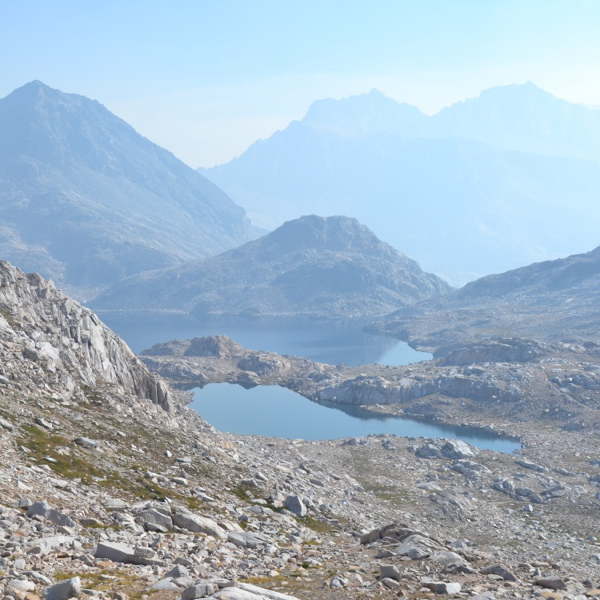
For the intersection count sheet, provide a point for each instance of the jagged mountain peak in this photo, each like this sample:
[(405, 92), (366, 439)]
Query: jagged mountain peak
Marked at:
[(365, 114), (337, 233)]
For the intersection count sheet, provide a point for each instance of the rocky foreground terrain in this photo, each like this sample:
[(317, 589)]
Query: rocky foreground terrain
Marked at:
[(111, 488)]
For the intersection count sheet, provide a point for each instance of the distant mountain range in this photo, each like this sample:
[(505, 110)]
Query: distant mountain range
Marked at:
[(486, 185), (86, 200), (556, 300), (311, 266)]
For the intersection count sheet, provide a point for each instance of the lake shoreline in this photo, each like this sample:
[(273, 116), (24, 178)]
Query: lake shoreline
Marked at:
[(275, 411)]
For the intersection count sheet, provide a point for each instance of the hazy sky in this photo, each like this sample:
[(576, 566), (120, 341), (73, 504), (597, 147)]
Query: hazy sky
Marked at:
[(205, 78)]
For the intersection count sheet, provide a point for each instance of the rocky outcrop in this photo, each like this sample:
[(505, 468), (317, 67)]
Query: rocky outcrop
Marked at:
[(557, 382), (41, 329), (494, 350)]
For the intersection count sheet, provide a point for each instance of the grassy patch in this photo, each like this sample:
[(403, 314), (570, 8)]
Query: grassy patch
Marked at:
[(92, 395), (314, 524), (240, 492), (109, 580), (8, 416), (45, 444), (41, 444)]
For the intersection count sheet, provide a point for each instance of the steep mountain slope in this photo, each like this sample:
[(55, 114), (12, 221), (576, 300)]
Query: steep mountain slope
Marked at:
[(332, 267), (87, 200), (462, 191), (552, 300)]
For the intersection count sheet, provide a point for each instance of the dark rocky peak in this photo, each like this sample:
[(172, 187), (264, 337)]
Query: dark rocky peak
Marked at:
[(333, 234), (57, 128)]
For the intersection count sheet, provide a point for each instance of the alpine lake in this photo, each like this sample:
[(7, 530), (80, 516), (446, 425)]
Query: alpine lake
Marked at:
[(274, 411)]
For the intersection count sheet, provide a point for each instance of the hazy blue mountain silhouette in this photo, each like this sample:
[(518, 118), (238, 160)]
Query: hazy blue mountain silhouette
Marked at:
[(487, 185), (312, 266), (524, 118), (87, 200)]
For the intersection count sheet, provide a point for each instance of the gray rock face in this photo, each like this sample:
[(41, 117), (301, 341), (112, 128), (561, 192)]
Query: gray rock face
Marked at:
[(441, 587), (193, 522), (22, 585), (499, 569), (529, 465), (264, 593), (295, 505), (458, 449), (199, 590), (45, 510), (313, 266), (70, 340), (86, 200), (49, 544), (70, 588), (152, 516), (244, 539), (417, 547), (551, 582), (119, 552), (451, 561), (389, 572)]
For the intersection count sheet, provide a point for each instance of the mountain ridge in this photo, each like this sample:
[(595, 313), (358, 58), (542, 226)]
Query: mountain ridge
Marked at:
[(547, 301)]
